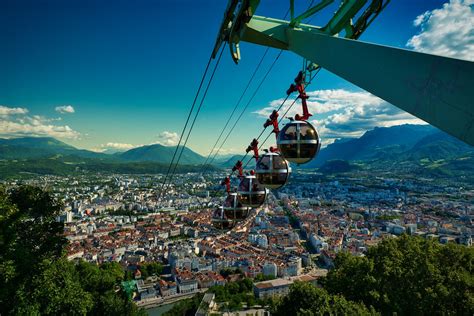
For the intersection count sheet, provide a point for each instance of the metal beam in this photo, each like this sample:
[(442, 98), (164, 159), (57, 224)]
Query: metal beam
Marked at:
[(266, 31), (436, 89), (311, 11), (343, 15)]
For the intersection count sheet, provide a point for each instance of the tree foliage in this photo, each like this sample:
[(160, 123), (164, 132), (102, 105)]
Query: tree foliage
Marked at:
[(29, 232), (29, 237), (187, 307), (56, 290), (408, 275), (262, 277), (229, 271), (233, 294), (36, 278), (307, 299), (151, 268)]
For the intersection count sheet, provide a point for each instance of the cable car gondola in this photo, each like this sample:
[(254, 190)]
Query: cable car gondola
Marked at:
[(298, 142), (251, 192), (272, 170), (220, 221), (231, 212), (234, 209)]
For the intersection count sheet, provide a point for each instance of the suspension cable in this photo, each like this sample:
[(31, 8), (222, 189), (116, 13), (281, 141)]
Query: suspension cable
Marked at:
[(235, 108), (195, 117), (228, 134), (247, 105), (261, 133), (185, 124)]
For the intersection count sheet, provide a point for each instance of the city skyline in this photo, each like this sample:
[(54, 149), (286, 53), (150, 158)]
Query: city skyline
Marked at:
[(85, 74), (360, 208)]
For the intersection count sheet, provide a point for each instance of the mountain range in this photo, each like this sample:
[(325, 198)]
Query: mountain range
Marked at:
[(44, 147), (396, 143), (160, 153), (381, 141), (420, 145), (41, 147), (46, 155), (407, 149)]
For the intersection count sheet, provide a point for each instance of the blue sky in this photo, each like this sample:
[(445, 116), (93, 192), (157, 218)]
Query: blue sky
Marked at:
[(117, 74)]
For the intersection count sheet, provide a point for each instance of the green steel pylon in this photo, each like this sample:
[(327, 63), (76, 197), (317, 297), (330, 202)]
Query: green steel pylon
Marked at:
[(436, 89)]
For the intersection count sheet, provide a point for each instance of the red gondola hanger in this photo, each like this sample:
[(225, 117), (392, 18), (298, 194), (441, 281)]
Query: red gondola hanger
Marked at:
[(238, 167), (253, 146), (273, 120), (226, 182), (299, 86)]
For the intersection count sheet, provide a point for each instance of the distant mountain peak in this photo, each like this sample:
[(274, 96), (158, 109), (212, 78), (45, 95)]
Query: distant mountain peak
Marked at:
[(162, 154), (378, 143), (38, 147)]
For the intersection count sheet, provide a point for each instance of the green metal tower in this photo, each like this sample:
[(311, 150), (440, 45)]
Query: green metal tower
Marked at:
[(436, 89)]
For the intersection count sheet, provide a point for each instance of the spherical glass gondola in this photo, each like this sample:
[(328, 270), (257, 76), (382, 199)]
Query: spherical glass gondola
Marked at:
[(220, 221), (298, 142), (272, 170), (233, 208), (251, 192)]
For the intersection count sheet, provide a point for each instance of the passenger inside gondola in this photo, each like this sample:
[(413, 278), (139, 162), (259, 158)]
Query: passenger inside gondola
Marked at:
[(220, 221), (244, 186), (264, 163), (233, 208), (307, 133), (255, 187), (251, 193), (289, 133)]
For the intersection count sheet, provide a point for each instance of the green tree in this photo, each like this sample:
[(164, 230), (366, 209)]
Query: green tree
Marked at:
[(117, 304), (261, 277), (246, 285), (55, 291), (151, 268), (250, 300), (360, 286), (36, 278), (221, 292), (29, 231), (128, 275), (187, 307), (228, 271), (307, 299), (29, 234), (408, 275)]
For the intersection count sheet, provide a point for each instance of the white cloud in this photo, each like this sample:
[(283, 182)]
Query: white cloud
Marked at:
[(112, 147), (321, 102), (448, 31), (5, 110), (20, 124), (228, 151), (16, 129), (165, 138), (346, 114), (65, 109), (168, 138), (118, 146)]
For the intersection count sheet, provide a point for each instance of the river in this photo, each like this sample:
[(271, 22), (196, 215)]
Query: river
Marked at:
[(160, 310)]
